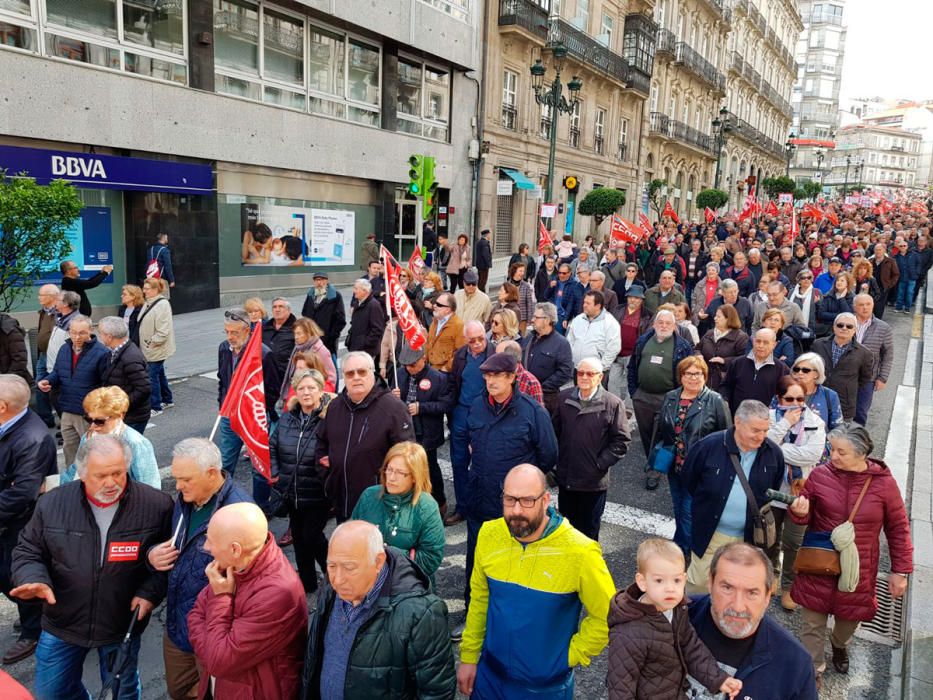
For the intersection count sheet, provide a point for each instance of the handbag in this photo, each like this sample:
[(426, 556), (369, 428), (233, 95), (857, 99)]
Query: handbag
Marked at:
[(764, 529), (817, 556), (660, 458)]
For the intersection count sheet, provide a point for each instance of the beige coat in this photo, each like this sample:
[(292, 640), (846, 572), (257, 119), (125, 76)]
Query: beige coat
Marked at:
[(459, 259), (156, 330)]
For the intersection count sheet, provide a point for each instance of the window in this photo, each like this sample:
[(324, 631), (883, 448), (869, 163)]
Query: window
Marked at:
[(660, 10), (423, 99), (460, 9), (236, 36), (283, 47), (605, 31), (600, 130), (654, 98), (582, 19), (575, 125), (623, 138), (638, 42), (544, 129), (509, 89)]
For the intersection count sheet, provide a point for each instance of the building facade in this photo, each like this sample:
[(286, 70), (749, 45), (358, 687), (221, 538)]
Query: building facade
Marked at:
[(820, 50), (875, 157), (305, 113), (916, 117)]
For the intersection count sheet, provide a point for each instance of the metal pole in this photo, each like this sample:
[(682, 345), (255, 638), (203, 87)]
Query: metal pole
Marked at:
[(553, 102), (845, 184), (719, 145)]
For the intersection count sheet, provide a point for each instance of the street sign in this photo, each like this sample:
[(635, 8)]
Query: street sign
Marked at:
[(548, 211), (785, 198), (504, 188)]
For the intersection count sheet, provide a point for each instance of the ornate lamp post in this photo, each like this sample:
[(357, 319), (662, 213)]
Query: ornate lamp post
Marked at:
[(845, 184), (820, 155), (789, 148), (858, 175), (721, 128), (552, 96)]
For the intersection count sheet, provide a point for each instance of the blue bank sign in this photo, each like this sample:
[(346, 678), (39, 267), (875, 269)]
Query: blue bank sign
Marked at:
[(95, 171)]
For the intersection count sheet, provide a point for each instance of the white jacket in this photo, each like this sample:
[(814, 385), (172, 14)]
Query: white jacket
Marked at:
[(804, 452), (600, 338)]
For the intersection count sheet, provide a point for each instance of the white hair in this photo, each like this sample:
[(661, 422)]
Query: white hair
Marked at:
[(751, 409), (102, 444), (846, 315), (201, 451), (288, 304), (473, 324), (360, 355), (665, 312), (80, 318), (593, 363), (113, 326), (364, 285), (15, 391), (816, 362), (374, 542)]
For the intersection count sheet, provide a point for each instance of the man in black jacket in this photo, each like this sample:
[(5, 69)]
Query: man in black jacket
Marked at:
[(547, 355), (72, 282), (324, 306), (127, 369), (483, 259), (84, 554), (27, 456), (278, 333), (13, 356), (756, 375), (368, 322), (849, 364)]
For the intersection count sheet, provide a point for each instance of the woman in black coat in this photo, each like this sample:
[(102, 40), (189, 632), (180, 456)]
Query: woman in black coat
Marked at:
[(836, 301), (544, 277), (523, 257), (299, 489), (722, 343), (133, 301)]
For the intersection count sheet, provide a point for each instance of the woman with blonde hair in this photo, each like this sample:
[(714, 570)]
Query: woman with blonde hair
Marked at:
[(402, 507), (256, 310), (132, 301), (157, 341), (503, 325), (104, 409)]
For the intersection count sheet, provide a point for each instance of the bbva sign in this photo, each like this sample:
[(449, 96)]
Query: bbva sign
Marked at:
[(74, 166)]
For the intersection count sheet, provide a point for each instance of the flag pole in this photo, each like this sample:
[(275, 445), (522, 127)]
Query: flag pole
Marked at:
[(214, 429), (385, 266)]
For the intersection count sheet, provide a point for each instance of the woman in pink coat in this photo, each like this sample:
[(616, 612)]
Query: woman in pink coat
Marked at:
[(827, 500)]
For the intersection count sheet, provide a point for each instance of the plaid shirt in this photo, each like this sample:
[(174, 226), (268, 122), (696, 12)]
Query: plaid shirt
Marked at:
[(528, 384), (839, 351)]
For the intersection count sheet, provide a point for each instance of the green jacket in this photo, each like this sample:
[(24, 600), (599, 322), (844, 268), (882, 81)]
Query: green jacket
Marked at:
[(409, 527), (401, 652)]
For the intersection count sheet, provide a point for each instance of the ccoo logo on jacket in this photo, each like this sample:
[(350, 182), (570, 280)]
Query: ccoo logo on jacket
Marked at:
[(123, 551)]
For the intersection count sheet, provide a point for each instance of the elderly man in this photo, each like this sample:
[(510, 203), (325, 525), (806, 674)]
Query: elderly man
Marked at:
[(361, 424), (756, 375), (72, 282), (468, 386), (526, 382), (849, 364), (472, 304), (324, 305), (203, 488), (483, 258), (592, 432), (48, 316), (126, 369), (733, 623), (67, 308), (377, 629), (83, 554), (777, 299), (278, 333), (598, 284), (742, 276), (237, 329), (634, 320), (886, 274), (729, 294), (664, 292), (547, 354), (27, 456), (445, 336), (368, 321), (613, 268), (595, 333), (532, 565), (567, 295), (79, 368), (652, 372), (876, 335), (249, 623), (670, 260), (710, 475)]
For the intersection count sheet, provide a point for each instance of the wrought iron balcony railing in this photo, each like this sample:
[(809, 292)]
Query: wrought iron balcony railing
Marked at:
[(666, 42), (699, 66)]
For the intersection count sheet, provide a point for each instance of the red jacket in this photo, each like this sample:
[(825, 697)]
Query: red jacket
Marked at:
[(832, 493), (253, 642)]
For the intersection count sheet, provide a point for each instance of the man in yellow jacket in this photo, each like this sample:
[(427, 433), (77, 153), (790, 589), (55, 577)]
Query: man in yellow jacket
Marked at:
[(532, 572)]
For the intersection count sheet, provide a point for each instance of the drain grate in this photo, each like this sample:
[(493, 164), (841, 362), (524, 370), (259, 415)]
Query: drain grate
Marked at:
[(888, 624)]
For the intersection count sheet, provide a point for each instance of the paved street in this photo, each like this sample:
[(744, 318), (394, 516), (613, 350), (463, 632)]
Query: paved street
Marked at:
[(631, 514)]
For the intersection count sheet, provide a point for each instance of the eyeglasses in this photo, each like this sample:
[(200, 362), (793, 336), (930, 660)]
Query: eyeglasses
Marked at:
[(587, 373), (847, 326), (96, 421), (524, 501), (693, 375), (475, 341), (804, 370), (443, 306), (402, 473), (536, 317), (362, 372)]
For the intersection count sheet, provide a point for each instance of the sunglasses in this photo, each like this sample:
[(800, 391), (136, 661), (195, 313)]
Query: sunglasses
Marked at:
[(469, 284), (236, 316), (794, 399), (804, 370), (587, 373), (847, 326), (96, 421), (356, 372), (443, 306)]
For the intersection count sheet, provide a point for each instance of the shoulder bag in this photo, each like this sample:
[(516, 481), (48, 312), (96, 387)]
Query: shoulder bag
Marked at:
[(660, 458), (764, 529), (817, 556)]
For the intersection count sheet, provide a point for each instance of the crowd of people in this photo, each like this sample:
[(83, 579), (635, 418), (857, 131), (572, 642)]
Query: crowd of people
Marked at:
[(747, 356)]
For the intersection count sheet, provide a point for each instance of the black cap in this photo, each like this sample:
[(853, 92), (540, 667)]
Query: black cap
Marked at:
[(835, 260), (409, 356), (470, 277), (320, 275), (636, 291), (500, 362)]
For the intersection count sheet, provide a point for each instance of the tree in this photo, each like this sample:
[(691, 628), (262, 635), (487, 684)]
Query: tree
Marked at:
[(774, 186), (655, 198), (813, 189), (33, 222), (601, 202), (711, 198)]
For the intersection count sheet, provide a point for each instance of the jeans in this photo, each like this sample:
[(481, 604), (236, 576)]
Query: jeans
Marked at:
[(43, 399), (863, 402), (905, 294), (683, 512), (230, 446), (460, 456), (59, 666), (161, 394)]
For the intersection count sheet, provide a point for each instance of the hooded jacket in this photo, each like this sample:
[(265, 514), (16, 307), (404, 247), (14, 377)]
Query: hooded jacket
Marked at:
[(401, 652), (328, 313), (650, 657), (355, 439)]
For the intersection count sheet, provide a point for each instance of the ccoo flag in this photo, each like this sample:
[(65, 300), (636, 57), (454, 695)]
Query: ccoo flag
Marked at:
[(544, 238), (710, 215), (401, 304), (669, 212)]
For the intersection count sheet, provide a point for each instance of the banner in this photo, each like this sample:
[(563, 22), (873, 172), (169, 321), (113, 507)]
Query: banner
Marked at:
[(786, 198), (416, 263), (296, 236), (408, 323), (710, 215), (646, 226), (669, 212), (622, 232), (245, 405)]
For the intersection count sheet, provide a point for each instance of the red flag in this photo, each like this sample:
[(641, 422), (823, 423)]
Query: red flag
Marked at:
[(771, 209), (622, 232), (646, 226), (710, 215), (416, 263), (812, 212), (794, 228), (408, 323), (544, 238), (245, 405), (832, 217), (669, 212)]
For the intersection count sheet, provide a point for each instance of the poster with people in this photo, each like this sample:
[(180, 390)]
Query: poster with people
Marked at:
[(296, 236)]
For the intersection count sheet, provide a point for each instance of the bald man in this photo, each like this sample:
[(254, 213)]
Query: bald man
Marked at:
[(523, 634), (248, 625), (377, 629)]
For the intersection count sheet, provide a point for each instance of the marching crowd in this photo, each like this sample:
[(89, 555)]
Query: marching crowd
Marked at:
[(747, 352)]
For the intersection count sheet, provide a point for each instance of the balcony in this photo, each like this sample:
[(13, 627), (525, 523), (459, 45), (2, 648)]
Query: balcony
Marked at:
[(722, 9), (825, 18), (525, 15), (509, 117), (740, 5), (699, 66), (659, 123), (897, 148), (666, 42), (772, 95), (758, 19), (749, 133), (668, 128)]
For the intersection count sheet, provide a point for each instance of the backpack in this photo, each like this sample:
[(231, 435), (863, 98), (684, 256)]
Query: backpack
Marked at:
[(153, 268)]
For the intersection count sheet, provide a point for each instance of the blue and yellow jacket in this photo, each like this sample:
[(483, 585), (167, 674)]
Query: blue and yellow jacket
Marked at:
[(513, 588)]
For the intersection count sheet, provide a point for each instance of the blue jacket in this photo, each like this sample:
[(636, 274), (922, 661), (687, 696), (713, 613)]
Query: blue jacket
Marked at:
[(831, 306), (549, 358), (682, 349), (435, 397), (521, 433), (86, 376), (776, 668), (568, 298), (824, 282), (187, 577), (708, 475), (910, 265)]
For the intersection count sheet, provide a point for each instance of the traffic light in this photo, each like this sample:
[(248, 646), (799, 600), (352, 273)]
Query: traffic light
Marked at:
[(571, 183), (429, 188), (416, 174)]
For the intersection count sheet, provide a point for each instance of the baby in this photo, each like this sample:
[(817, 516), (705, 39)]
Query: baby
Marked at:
[(652, 645)]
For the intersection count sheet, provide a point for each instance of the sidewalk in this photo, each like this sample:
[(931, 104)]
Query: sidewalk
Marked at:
[(199, 333)]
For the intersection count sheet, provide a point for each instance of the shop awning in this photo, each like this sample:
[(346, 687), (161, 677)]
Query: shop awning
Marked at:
[(521, 182)]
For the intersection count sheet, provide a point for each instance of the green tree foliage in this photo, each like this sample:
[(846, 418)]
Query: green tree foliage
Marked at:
[(711, 198), (33, 222), (655, 198), (601, 203), (774, 186)]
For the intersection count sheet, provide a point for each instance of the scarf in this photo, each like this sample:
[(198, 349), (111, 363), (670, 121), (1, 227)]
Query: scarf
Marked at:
[(803, 300)]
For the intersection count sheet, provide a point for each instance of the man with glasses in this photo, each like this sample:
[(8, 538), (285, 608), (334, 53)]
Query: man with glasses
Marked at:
[(361, 424), (664, 292), (445, 336), (849, 364), (79, 368), (756, 375), (472, 304), (547, 355), (878, 337), (886, 274), (524, 635), (623, 286), (72, 282), (777, 299), (592, 435), (567, 295)]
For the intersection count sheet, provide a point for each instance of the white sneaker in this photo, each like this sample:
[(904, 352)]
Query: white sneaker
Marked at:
[(171, 404), (155, 413)]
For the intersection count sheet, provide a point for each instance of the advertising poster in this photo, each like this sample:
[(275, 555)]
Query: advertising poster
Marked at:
[(91, 246), (296, 236)]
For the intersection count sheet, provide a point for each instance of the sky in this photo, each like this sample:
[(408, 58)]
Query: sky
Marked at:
[(888, 49)]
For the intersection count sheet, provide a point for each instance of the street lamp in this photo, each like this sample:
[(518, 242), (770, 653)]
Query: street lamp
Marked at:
[(858, 174), (820, 155), (845, 183), (789, 148), (721, 129), (552, 96)]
